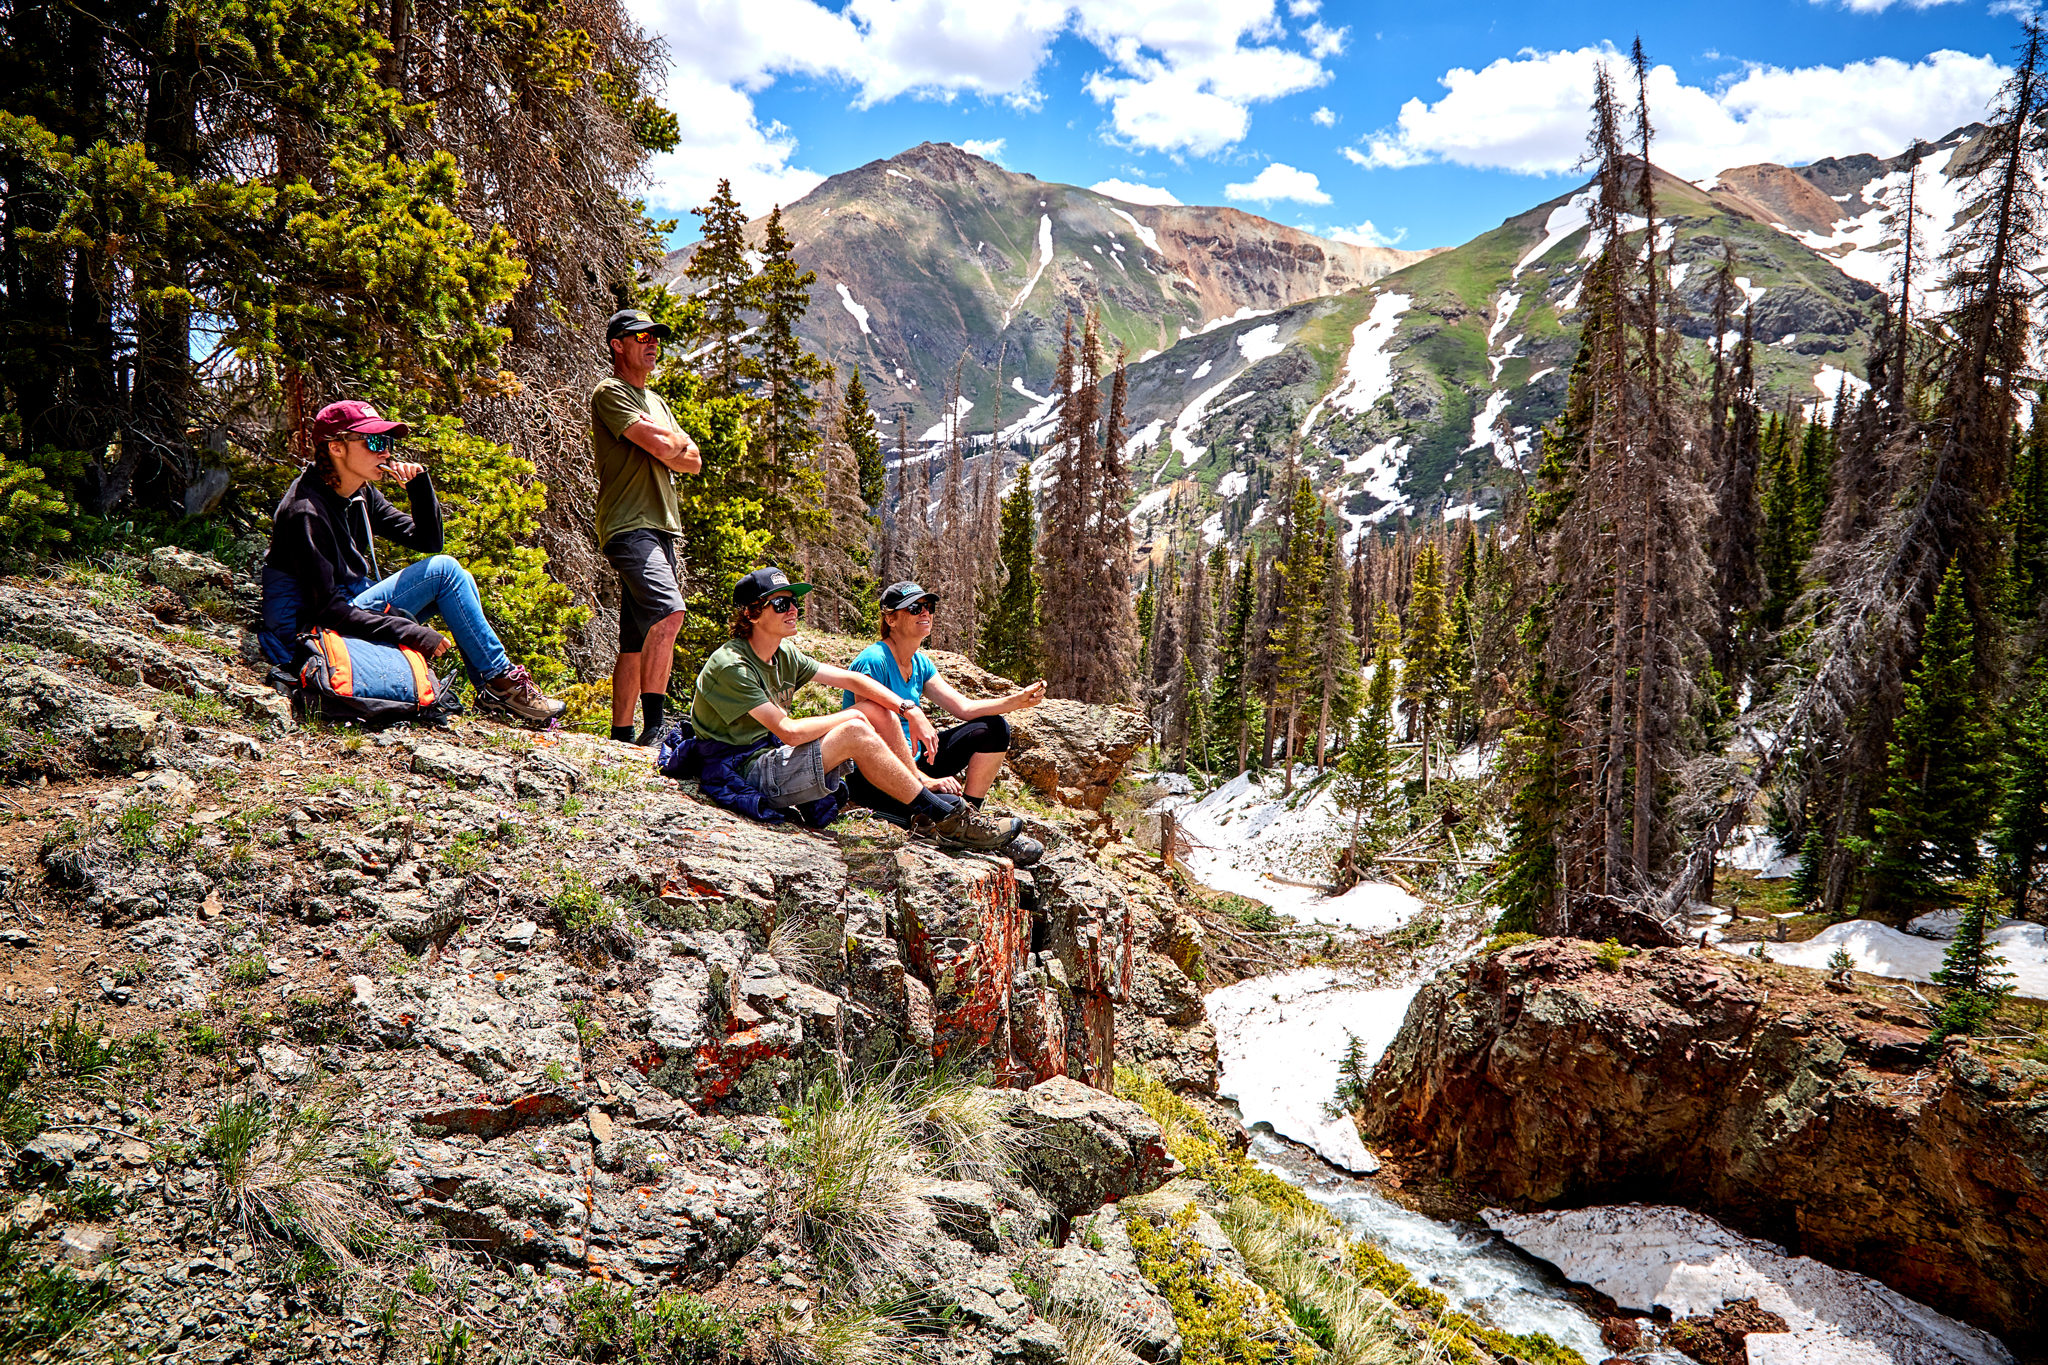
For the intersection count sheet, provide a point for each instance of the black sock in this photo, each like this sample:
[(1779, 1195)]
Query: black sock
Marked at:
[(975, 801), (651, 706), (624, 732), (934, 805)]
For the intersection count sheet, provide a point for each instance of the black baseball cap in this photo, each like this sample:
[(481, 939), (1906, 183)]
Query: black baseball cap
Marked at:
[(634, 320), (897, 596), (760, 583)]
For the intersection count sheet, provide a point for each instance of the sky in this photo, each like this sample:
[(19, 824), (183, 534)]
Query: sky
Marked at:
[(1418, 125)]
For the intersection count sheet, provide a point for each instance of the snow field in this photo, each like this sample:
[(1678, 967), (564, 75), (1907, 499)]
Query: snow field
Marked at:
[(1647, 1256), (1881, 950)]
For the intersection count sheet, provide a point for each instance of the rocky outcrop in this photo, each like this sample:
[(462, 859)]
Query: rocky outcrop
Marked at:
[(1083, 1148), (1812, 1118)]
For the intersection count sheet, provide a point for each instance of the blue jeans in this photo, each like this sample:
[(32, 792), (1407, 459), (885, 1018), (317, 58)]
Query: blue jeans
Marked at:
[(436, 583)]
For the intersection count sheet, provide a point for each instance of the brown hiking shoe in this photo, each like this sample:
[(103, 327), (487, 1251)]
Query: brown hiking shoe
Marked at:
[(514, 693), (967, 827)]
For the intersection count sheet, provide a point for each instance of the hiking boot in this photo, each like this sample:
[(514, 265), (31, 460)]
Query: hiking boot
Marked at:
[(967, 827), (650, 737), (514, 692), (1023, 851)]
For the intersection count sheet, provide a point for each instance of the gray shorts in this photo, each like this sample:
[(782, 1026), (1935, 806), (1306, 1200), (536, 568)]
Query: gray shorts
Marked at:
[(649, 587), (792, 775)]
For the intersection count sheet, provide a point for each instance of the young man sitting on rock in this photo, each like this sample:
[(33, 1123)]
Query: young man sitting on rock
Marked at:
[(757, 758), (318, 570), (962, 760)]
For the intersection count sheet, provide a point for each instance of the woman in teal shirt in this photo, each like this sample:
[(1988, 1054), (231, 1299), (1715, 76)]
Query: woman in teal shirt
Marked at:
[(965, 758)]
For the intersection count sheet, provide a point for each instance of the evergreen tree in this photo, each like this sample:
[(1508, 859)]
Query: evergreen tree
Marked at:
[(1145, 624), (867, 444), (729, 292), (1009, 634), (1297, 626), (1816, 464), (2027, 515), (2020, 837), (1942, 770), (1230, 713), (1339, 690), (1970, 970), (1780, 551), (1429, 681)]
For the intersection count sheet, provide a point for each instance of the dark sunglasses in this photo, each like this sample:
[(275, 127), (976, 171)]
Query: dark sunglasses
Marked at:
[(921, 608), (380, 442), (640, 336), (784, 604)]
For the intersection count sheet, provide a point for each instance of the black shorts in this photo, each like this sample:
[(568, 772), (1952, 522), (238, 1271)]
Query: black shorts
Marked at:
[(649, 587), (990, 735)]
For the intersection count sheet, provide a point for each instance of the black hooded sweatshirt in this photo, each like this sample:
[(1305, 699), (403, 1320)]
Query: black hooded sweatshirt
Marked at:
[(315, 539)]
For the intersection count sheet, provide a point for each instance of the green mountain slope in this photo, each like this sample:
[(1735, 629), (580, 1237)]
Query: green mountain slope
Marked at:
[(1399, 388), (937, 258)]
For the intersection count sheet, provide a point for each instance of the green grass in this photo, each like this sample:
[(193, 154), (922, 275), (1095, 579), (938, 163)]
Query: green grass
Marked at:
[(208, 710), (608, 1324), (42, 1306)]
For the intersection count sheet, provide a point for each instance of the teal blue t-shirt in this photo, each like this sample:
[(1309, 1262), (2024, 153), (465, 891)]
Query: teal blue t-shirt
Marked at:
[(878, 663)]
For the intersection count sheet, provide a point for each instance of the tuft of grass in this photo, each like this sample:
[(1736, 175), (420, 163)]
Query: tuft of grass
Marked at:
[(248, 970), (1502, 942), (464, 853), (608, 1324), (848, 1178), (91, 1197), (959, 1128), (1090, 1331), (280, 1176), (850, 1333), (802, 945), (579, 906), (41, 1306), (204, 710)]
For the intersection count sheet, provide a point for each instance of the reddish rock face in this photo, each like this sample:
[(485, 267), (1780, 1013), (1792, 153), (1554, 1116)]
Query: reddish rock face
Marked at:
[(1743, 1090)]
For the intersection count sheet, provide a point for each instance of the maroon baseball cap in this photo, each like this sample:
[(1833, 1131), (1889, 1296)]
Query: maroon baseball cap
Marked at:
[(353, 417)]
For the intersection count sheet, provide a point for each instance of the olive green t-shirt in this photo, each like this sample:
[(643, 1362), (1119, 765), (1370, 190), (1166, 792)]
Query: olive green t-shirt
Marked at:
[(734, 681), (635, 491)]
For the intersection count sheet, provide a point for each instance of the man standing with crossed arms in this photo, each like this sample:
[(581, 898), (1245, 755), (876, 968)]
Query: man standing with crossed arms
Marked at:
[(640, 450)]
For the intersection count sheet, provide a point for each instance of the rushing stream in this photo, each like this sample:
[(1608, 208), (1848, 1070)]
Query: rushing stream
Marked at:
[(1467, 1263)]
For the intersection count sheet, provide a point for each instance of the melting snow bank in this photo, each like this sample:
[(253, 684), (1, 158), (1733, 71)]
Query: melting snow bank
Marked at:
[(1471, 1266), (1280, 1039), (1646, 1256), (1881, 950)]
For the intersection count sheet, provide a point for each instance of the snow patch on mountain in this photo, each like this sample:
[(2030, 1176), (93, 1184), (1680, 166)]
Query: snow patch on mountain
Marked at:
[(1260, 343), (1191, 417), (948, 425), (1574, 215), (1864, 248), (1036, 424), (1244, 314), (1503, 310), (1369, 365), (1881, 950), (1507, 451), (860, 314), (1044, 260), (1145, 234)]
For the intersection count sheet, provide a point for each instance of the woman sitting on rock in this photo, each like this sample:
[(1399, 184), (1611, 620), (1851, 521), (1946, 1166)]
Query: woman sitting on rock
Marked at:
[(318, 573), (966, 758)]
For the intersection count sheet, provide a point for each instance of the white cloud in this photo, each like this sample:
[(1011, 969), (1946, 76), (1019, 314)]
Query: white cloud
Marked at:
[(1365, 234), (989, 149), (1323, 118), (1529, 113), (1302, 9), (1279, 181), (1180, 76), (1324, 41), (1132, 193)]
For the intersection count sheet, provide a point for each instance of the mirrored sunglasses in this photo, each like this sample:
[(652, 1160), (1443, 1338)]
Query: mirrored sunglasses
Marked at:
[(380, 442)]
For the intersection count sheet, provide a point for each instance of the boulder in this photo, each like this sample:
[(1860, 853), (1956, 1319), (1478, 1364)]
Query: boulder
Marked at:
[(105, 731), (183, 570), (1084, 1148), (1748, 1091), (1074, 752)]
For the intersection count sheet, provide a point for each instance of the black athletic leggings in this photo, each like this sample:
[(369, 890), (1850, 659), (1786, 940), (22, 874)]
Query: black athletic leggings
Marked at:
[(957, 745)]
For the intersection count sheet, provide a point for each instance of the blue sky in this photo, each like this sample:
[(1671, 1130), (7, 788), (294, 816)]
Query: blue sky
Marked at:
[(1417, 124)]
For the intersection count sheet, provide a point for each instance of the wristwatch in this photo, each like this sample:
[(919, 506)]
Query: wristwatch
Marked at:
[(904, 706)]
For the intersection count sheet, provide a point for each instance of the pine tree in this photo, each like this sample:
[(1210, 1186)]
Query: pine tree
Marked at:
[(1230, 713), (1145, 624), (1429, 672), (1009, 635), (1297, 625), (1969, 970), (785, 418), (1367, 762), (729, 291), (2027, 516), (1339, 691), (1779, 550), (2021, 834), (867, 444), (1942, 770)]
